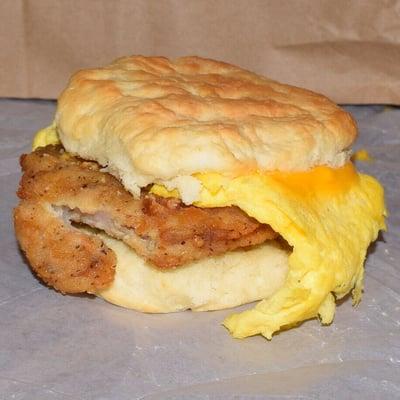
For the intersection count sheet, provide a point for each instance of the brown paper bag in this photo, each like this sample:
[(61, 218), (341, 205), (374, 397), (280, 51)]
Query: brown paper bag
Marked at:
[(348, 50)]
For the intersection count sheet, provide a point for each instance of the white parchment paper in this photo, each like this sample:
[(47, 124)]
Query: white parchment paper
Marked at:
[(78, 347)]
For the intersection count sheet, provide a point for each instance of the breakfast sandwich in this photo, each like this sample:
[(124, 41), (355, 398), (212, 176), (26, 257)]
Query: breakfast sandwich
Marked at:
[(165, 185)]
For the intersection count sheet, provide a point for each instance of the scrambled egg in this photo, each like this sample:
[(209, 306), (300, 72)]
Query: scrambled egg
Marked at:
[(329, 217), (362, 155), (45, 137)]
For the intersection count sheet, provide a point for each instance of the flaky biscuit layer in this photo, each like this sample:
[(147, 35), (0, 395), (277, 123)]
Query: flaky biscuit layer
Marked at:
[(150, 119)]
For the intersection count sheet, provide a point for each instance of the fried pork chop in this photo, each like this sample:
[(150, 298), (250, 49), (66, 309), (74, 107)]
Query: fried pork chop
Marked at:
[(58, 190)]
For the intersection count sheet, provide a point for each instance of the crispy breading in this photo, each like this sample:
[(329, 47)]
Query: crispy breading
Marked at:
[(57, 189), (65, 258)]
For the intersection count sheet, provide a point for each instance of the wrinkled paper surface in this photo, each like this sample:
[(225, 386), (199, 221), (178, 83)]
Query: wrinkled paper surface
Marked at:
[(347, 50), (56, 347)]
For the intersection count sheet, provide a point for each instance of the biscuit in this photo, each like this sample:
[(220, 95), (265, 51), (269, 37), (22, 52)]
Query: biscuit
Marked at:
[(150, 119), (228, 280)]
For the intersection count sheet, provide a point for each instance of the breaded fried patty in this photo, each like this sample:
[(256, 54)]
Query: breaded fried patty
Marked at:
[(57, 189)]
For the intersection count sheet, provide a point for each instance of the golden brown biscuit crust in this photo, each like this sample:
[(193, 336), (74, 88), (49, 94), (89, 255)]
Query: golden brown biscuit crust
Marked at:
[(151, 119)]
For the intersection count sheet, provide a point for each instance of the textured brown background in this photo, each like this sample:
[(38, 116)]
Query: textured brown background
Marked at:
[(349, 50)]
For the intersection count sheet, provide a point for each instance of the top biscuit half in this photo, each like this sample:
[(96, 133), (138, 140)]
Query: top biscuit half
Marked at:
[(151, 119)]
